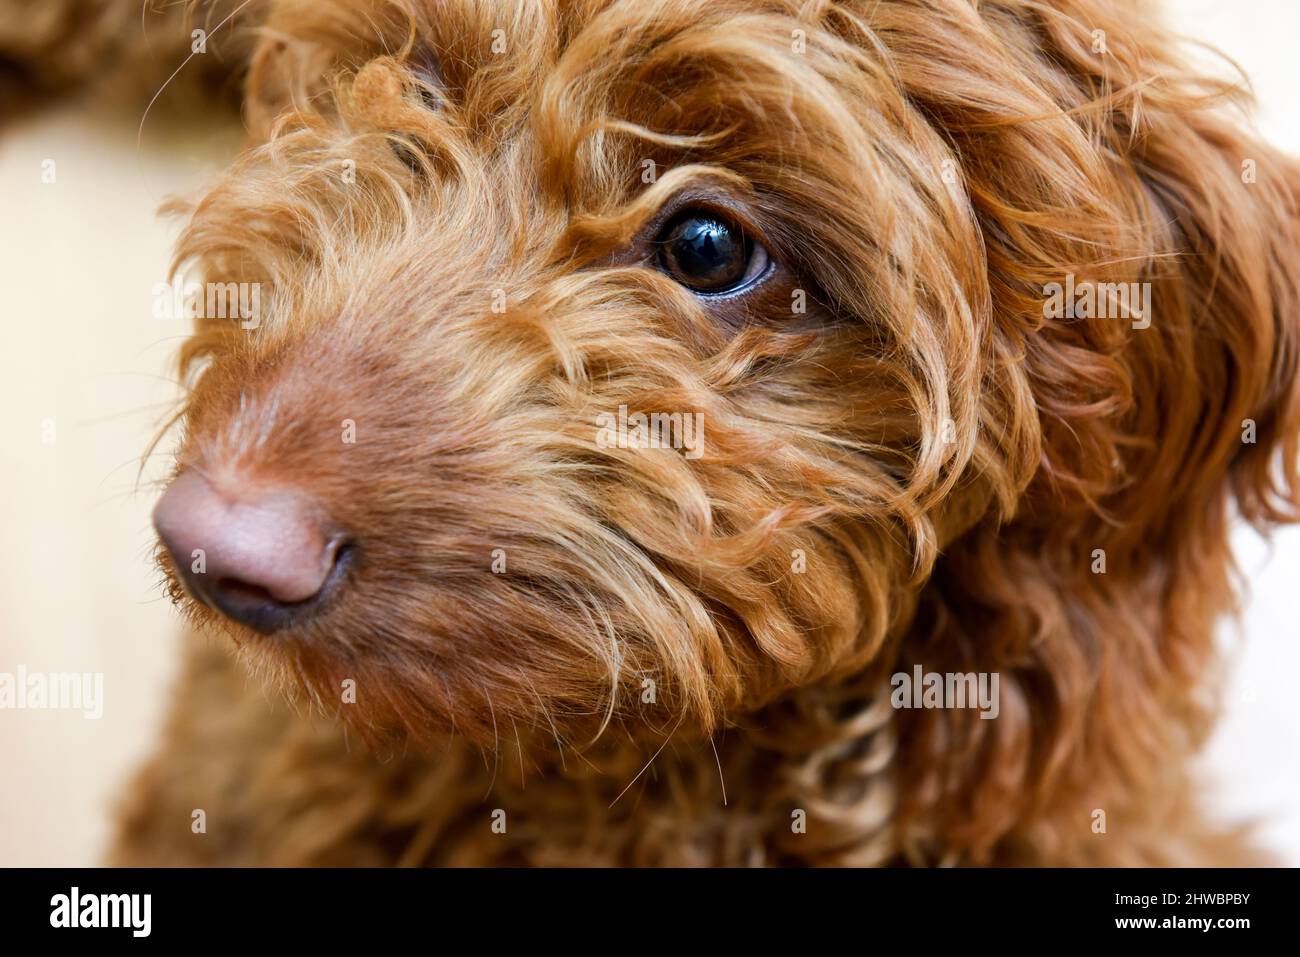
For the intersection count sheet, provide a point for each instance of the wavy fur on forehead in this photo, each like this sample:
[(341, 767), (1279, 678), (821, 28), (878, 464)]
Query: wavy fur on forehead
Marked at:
[(950, 460)]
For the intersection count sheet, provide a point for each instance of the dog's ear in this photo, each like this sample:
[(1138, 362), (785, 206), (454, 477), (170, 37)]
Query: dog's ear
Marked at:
[(1143, 256)]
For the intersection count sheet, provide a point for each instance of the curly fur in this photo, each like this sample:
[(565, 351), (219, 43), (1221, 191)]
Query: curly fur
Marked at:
[(945, 456)]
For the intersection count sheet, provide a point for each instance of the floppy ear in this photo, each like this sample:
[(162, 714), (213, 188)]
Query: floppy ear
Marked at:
[(1093, 155)]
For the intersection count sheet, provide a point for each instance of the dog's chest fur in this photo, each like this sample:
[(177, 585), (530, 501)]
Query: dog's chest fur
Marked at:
[(282, 786)]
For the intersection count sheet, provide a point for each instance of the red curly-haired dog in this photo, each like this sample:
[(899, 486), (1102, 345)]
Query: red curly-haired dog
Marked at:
[(822, 249)]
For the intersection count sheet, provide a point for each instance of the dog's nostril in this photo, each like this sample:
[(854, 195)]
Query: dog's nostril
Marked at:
[(261, 557), (243, 590)]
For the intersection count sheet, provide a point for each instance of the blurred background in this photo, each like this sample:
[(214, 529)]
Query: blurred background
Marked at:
[(86, 381)]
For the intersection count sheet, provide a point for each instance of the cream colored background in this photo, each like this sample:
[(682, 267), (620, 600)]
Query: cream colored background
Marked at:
[(78, 262)]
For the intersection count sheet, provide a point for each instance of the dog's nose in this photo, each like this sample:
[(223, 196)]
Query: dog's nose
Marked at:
[(260, 557)]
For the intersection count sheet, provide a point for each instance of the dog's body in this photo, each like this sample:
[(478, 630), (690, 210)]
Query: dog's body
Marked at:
[(540, 647)]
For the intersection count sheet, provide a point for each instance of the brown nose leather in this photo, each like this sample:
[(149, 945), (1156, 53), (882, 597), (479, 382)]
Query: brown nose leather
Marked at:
[(260, 557)]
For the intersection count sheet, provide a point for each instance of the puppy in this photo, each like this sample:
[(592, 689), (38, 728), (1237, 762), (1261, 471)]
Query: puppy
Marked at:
[(682, 432)]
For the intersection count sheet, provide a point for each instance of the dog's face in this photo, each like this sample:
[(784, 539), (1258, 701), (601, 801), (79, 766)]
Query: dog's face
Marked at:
[(623, 360)]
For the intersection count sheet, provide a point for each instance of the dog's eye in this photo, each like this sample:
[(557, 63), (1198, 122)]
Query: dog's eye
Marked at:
[(709, 254)]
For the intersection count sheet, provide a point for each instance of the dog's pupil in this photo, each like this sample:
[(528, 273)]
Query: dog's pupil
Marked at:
[(706, 254)]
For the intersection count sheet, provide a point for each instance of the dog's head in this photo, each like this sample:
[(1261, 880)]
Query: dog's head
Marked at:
[(648, 360)]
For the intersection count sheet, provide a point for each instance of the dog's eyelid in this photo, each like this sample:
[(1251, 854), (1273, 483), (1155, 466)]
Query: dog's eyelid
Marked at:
[(429, 79), (706, 203)]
